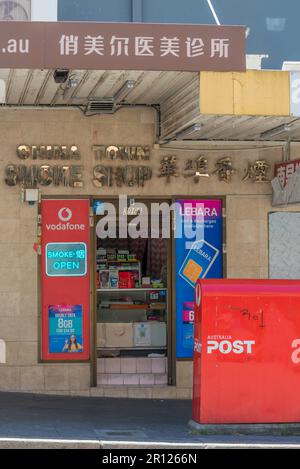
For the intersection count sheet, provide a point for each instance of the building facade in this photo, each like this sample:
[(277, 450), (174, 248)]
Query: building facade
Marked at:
[(86, 315)]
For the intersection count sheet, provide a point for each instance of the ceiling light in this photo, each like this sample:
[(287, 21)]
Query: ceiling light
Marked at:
[(281, 129), (188, 131), (124, 90)]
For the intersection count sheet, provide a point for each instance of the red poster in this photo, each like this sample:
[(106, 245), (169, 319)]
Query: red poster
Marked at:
[(65, 279)]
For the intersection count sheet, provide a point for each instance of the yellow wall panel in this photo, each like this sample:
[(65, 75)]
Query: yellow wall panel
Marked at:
[(255, 92)]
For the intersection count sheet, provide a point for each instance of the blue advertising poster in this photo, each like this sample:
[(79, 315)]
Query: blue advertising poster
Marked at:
[(198, 254), (65, 329)]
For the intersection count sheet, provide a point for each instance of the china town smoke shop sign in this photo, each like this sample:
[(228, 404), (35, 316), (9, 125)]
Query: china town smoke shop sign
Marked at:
[(60, 165), (122, 46)]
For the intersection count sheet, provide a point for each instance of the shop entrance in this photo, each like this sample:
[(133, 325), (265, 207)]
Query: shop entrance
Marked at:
[(133, 292)]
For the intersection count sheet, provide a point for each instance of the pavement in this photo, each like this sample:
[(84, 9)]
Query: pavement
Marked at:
[(43, 421)]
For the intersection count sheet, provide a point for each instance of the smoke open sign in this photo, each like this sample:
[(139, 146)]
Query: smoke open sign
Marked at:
[(66, 259)]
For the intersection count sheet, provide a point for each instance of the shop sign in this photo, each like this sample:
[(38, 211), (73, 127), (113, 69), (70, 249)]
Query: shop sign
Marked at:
[(195, 259), (44, 174), (66, 259), (65, 279), (128, 175), (68, 174), (285, 169), (65, 329), (122, 46), (124, 153)]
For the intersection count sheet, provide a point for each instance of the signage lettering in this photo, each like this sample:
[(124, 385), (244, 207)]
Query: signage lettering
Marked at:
[(66, 259), (48, 152), (44, 175), (125, 153), (285, 169), (106, 176), (122, 46), (227, 346)]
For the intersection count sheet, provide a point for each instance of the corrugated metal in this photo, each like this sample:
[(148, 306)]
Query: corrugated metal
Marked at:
[(177, 93), (181, 108)]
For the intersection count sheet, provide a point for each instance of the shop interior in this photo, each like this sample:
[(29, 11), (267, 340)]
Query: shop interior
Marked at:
[(132, 308)]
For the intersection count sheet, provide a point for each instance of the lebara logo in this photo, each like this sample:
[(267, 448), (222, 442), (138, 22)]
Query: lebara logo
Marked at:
[(65, 214)]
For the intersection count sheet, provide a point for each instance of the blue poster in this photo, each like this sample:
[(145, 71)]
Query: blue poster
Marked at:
[(65, 329), (198, 254)]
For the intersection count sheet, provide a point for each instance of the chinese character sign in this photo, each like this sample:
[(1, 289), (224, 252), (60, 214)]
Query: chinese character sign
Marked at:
[(123, 46), (284, 170)]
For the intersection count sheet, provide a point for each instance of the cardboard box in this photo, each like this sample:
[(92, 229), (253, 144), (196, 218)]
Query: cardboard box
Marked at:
[(101, 334), (150, 334), (119, 335)]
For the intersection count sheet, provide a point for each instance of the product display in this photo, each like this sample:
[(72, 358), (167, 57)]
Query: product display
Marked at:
[(132, 307), (150, 334), (117, 269)]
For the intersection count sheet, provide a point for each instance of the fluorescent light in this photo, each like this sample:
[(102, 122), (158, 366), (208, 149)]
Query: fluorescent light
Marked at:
[(281, 129), (188, 131), (124, 90)]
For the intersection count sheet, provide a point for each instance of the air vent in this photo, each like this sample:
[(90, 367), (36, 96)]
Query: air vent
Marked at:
[(100, 106)]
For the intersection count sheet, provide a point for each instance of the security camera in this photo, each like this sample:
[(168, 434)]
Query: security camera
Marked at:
[(61, 76)]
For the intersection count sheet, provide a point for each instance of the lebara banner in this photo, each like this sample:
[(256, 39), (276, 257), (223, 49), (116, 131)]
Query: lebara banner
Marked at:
[(65, 279), (198, 254), (65, 329)]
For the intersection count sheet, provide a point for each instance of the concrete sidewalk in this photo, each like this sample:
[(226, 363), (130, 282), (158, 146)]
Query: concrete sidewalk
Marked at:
[(28, 420)]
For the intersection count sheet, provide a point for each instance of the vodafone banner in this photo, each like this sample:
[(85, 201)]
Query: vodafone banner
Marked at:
[(65, 279)]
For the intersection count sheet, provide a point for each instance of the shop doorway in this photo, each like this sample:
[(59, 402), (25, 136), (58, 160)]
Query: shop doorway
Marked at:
[(132, 296)]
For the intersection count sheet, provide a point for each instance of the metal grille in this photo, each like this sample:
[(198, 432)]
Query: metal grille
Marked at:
[(19, 10), (100, 106)]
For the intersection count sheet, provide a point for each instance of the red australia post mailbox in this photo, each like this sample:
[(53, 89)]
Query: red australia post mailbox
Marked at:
[(247, 351)]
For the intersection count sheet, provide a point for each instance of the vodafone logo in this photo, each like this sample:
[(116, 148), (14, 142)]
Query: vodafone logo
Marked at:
[(65, 214)]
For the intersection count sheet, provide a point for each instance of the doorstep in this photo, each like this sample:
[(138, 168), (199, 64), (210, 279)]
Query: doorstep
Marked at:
[(143, 392), (132, 379)]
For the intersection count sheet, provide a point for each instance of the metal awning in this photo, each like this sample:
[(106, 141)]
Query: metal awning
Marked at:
[(38, 88), (177, 94)]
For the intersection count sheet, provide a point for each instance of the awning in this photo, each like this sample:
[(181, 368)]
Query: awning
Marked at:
[(205, 106)]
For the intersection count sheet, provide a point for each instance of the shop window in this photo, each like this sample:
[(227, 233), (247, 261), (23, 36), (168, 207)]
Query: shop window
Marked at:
[(132, 310)]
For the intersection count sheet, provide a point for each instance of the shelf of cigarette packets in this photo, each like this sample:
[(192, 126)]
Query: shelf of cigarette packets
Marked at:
[(130, 314)]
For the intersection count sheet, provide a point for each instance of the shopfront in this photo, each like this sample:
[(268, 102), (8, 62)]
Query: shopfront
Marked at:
[(104, 315), (117, 283), (96, 283)]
